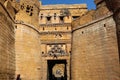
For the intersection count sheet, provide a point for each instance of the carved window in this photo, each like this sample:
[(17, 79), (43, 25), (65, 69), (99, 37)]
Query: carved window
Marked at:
[(43, 28), (22, 6), (61, 19), (67, 27), (48, 19), (41, 17), (55, 16), (29, 10)]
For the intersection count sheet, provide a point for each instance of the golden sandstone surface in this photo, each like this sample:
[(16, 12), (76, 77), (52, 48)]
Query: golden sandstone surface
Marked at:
[(59, 42)]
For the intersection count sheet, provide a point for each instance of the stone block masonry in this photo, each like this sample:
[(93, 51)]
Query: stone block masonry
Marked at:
[(66, 42), (95, 51), (27, 44), (27, 53), (7, 40)]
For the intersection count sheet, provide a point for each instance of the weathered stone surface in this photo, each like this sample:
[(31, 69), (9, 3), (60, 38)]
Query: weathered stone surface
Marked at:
[(92, 15), (75, 10), (55, 36), (88, 17), (29, 11), (43, 39), (7, 49), (95, 51), (27, 45), (27, 50)]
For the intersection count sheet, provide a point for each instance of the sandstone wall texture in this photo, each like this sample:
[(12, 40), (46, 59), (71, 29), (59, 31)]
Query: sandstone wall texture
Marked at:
[(7, 40), (55, 35), (27, 53), (27, 42), (25, 47), (29, 11), (95, 51)]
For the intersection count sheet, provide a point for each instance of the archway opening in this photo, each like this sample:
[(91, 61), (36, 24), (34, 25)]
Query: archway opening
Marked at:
[(56, 70)]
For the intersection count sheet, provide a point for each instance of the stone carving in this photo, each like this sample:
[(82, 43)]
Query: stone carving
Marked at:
[(65, 12), (58, 35), (56, 50)]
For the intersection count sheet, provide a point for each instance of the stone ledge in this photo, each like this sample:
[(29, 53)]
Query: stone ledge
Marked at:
[(59, 24), (55, 41), (53, 32)]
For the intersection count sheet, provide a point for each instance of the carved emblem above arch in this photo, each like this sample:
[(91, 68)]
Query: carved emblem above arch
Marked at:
[(56, 50)]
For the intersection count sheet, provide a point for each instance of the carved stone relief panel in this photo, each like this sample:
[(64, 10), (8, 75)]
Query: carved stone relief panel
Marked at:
[(56, 49)]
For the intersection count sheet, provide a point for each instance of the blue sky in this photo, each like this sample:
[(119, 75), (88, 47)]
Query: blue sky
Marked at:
[(90, 3)]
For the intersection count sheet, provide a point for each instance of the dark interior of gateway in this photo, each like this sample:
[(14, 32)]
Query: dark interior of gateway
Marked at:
[(51, 64)]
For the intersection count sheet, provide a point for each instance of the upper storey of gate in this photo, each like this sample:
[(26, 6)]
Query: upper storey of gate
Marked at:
[(61, 13)]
